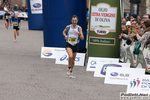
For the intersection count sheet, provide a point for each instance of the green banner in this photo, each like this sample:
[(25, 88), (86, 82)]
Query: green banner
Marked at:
[(104, 28)]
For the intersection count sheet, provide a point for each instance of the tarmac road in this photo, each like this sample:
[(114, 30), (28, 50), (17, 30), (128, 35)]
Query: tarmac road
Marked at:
[(25, 76)]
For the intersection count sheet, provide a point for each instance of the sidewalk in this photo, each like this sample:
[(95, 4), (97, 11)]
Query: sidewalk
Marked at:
[(25, 76)]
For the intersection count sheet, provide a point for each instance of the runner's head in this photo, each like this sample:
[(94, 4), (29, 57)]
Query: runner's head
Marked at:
[(74, 20), (16, 16)]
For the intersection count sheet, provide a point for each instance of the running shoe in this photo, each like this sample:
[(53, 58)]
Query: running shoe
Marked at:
[(15, 40), (71, 75), (68, 71)]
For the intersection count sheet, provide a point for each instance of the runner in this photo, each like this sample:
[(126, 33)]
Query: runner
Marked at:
[(10, 18), (74, 34), (16, 26), (6, 17)]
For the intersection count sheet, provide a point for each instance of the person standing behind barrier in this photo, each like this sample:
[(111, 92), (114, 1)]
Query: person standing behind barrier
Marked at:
[(73, 36), (146, 32), (16, 26), (6, 17)]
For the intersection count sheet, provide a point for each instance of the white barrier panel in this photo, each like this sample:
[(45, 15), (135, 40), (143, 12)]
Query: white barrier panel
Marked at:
[(62, 58), (139, 84), (101, 68), (50, 52), (2, 13), (120, 76), (21, 14), (92, 62)]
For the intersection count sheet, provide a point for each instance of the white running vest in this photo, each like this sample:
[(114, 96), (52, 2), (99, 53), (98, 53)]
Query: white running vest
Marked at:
[(73, 38)]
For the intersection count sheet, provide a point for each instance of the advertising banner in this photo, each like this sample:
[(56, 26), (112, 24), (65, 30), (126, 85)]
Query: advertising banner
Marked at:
[(101, 68), (21, 14), (2, 13), (142, 60), (50, 52), (62, 58), (104, 28), (139, 84), (120, 76), (92, 62), (36, 6)]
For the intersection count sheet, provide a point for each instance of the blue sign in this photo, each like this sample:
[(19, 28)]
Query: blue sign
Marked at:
[(114, 74), (37, 5)]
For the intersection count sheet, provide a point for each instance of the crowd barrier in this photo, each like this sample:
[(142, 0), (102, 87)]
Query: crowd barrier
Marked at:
[(20, 14), (142, 60)]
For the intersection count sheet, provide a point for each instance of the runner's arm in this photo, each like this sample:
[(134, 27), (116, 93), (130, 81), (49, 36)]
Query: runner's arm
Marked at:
[(65, 31), (19, 23), (81, 34)]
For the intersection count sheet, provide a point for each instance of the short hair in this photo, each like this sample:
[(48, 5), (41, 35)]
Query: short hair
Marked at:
[(127, 19), (149, 16), (147, 23), (133, 20), (74, 16), (138, 22)]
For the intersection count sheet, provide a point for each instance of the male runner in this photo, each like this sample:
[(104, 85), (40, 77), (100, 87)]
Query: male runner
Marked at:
[(73, 36), (10, 17), (6, 17), (16, 26)]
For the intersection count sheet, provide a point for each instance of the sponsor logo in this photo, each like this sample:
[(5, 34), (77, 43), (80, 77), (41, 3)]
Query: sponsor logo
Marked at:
[(121, 76), (63, 58), (66, 58), (134, 83), (124, 75), (101, 30), (114, 74), (147, 60), (37, 5), (104, 68), (93, 63), (47, 52)]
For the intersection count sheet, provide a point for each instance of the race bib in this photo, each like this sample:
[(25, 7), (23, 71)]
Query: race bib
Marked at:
[(73, 40), (7, 17), (15, 24)]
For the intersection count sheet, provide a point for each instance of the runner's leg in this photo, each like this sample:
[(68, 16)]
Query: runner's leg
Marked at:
[(15, 34), (7, 24), (73, 60), (10, 23), (70, 54)]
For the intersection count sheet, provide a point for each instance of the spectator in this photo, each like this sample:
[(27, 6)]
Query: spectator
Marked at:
[(26, 9), (138, 18), (23, 9), (1, 7), (15, 8), (5, 8), (146, 32), (123, 19), (146, 16)]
